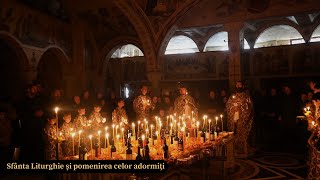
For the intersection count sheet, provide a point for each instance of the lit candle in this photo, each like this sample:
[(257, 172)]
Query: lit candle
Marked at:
[(107, 136), (138, 128), (171, 128), (197, 128), (99, 132), (113, 131), (56, 109), (151, 129), (143, 138), (308, 108), (90, 137), (312, 123), (133, 129), (217, 124), (191, 114), (122, 131), (118, 138), (221, 122), (117, 126), (72, 135), (209, 124), (79, 137), (147, 133)]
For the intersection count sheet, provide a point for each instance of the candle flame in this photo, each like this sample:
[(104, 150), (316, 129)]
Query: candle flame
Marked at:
[(143, 137), (56, 109), (221, 115), (138, 122), (171, 124), (107, 135), (198, 123), (72, 134), (118, 136), (80, 131), (71, 129), (133, 124), (122, 129), (106, 128), (313, 123), (90, 136), (216, 117), (99, 132), (112, 125)]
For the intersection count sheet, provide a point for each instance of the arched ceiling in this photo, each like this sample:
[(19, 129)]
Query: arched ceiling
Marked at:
[(199, 19)]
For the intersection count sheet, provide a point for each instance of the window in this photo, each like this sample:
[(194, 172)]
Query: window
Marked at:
[(245, 44), (128, 50), (217, 42), (181, 45), (316, 35), (126, 92), (279, 35)]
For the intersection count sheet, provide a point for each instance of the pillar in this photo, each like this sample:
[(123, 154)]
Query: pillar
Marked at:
[(155, 78), (233, 29)]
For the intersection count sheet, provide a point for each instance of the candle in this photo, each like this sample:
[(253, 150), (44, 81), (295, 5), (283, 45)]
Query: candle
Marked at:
[(56, 109), (117, 126), (133, 129), (151, 129), (99, 132), (312, 123), (171, 128), (217, 124), (90, 137), (197, 128), (122, 131), (118, 138), (221, 122), (138, 127), (167, 121), (107, 136), (308, 108), (72, 135), (79, 137), (143, 137), (147, 133), (191, 114), (209, 124), (113, 131)]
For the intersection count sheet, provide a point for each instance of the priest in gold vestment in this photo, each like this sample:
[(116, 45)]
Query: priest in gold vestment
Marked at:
[(184, 105), (240, 118), (142, 105)]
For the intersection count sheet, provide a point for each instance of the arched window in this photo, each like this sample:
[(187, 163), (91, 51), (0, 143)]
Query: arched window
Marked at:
[(217, 42), (128, 50), (245, 44), (316, 35), (180, 45), (279, 35)]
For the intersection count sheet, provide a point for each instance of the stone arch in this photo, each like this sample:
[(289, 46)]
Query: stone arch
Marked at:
[(144, 29), (275, 23), (13, 66), (112, 83), (51, 69), (315, 25), (170, 27), (112, 45)]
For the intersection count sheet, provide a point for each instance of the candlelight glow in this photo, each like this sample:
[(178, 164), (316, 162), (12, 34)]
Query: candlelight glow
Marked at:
[(56, 109), (72, 135), (198, 123), (90, 136), (133, 124), (143, 137), (107, 135), (99, 132), (106, 128)]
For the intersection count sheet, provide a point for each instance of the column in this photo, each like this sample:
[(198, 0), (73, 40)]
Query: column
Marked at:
[(154, 78), (233, 29)]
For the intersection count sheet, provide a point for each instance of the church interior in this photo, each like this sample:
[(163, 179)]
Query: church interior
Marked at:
[(172, 63)]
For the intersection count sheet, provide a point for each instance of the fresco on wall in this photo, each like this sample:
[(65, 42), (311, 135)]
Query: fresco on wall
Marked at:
[(306, 60), (108, 23), (270, 61), (29, 28), (199, 65)]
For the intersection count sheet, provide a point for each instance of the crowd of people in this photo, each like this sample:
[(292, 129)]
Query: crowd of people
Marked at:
[(33, 118)]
